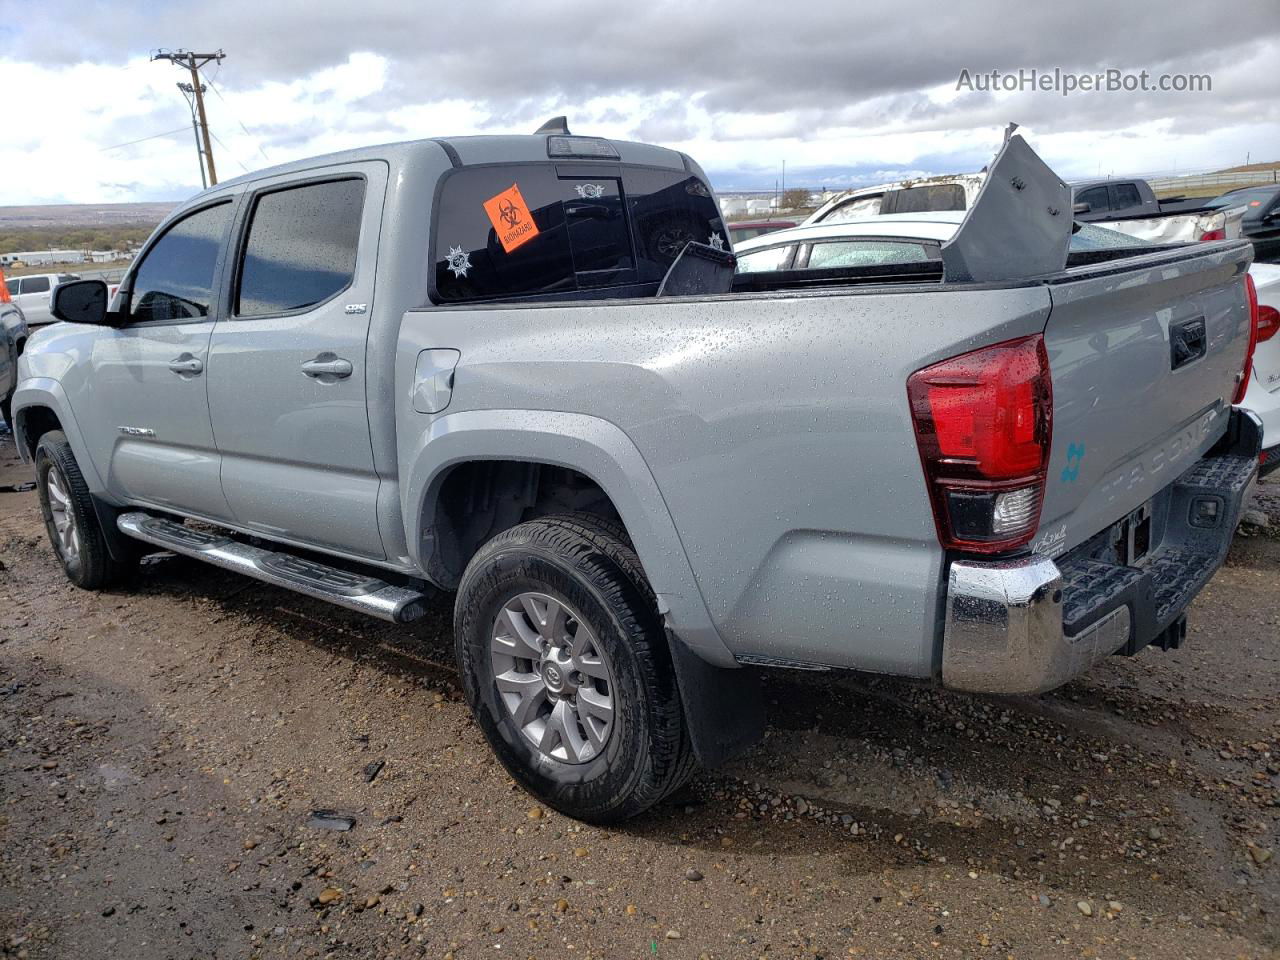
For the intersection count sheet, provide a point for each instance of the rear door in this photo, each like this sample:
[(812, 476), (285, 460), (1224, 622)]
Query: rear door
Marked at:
[(287, 367), (33, 297)]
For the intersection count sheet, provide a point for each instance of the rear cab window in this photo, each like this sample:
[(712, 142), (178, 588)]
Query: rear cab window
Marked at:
[(517, 230), (926, 198), (35, 285)]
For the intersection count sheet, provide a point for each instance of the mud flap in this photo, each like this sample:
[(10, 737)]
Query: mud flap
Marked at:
[(723, 707), (121, 549)]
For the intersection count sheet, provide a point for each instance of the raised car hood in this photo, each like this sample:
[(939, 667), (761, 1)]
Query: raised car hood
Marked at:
[(1018, 227)]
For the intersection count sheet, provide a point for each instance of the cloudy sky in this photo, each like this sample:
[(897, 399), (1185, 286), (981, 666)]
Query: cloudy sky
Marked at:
[(842, 92)]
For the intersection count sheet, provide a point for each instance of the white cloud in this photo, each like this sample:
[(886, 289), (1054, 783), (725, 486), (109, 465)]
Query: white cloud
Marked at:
[(847, 96)]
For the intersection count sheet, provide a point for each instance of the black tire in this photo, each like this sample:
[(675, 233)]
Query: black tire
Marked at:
[(584, 563), (91, 566)]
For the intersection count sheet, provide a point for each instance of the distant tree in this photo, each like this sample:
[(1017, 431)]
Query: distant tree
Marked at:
[(795, 199)]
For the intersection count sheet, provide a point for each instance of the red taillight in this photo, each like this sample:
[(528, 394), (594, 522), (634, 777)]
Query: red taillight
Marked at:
[(984, 422), (1219, 234), (1251, 295)]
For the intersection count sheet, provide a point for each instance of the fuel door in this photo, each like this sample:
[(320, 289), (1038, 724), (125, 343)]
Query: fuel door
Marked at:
[(433, 379)]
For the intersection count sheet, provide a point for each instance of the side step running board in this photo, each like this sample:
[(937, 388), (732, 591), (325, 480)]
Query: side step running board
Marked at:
[(352, 590)]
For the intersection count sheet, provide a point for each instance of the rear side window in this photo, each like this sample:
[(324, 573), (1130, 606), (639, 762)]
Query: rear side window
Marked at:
[(1096, 198), (301, 248), (925, 199), (864, 253), (35, 285), (523, 229), (1126, 195), (174, 281), (761, 261), (858, 209)]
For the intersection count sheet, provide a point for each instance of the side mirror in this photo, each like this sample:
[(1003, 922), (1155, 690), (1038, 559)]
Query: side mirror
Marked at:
[(80, 301), (1081, 208)]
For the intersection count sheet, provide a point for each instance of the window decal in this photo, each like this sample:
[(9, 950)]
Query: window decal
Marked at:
[(511, 218), (459, 261), (716, 241), (590, 191)]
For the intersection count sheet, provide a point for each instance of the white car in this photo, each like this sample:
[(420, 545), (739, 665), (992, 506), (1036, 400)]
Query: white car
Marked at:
[(1263, 395), (955, 192), (918, 237), (33, 293)]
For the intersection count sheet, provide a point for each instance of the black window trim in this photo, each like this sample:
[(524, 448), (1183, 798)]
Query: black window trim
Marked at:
[(562, 168), (241, 237), (215, 297)]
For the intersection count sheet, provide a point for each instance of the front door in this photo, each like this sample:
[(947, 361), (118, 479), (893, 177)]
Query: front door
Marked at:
[(148, 411), (287, 366)]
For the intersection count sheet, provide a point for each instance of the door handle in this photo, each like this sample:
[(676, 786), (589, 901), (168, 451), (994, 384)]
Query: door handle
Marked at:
[(186, 365), (328, 367)]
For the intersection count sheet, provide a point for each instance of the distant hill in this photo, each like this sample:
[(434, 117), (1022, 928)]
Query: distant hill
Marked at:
[(1251, 167), (79, 226), (69, 216)]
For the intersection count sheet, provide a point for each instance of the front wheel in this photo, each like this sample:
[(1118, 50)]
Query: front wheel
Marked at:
[(566, 668), (69, 516)]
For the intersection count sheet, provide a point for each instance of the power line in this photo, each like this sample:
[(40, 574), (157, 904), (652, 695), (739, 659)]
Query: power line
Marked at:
[(256, 144), (154, 136), (228, 149)]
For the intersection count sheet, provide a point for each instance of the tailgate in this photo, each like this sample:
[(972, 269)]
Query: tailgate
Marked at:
[(1145, 354)]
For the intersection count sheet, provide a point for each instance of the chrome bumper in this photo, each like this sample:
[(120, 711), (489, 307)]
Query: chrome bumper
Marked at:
[(1004, 631)]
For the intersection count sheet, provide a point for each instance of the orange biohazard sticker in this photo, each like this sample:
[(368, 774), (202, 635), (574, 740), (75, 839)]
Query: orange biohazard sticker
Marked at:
[(510, 217)]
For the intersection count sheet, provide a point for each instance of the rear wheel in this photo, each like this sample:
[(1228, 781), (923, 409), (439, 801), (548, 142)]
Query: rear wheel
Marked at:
[(69, 516), (566, 667)]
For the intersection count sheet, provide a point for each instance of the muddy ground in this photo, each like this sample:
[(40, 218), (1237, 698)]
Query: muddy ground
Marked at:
[(165, 746)]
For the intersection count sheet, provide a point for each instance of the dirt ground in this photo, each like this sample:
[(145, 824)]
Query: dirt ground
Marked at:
[(164, 748)]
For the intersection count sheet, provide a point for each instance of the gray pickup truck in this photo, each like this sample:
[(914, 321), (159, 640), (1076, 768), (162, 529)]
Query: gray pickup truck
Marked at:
[(521, 369)]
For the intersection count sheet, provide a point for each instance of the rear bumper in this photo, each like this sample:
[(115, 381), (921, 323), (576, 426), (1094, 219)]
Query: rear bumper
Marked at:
[(1269, 461), (1031, 624)]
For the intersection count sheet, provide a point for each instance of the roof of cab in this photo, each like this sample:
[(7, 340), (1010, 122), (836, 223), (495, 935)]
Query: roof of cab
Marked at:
[(471, 150)]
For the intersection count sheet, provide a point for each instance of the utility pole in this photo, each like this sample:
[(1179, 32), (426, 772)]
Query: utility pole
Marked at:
[(189, 92), (193, 62)]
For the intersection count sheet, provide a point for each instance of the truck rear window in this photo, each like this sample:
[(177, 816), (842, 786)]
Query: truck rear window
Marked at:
[(925, 199), (524, 229)]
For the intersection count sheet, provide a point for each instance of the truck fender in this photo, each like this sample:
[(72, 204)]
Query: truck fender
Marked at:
[(45, 392), (594, 447)]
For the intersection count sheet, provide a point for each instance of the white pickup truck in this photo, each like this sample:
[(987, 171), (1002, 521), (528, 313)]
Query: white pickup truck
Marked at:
[(523, 370)]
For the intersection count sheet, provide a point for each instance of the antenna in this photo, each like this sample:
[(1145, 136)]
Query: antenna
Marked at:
[(557, 126)]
